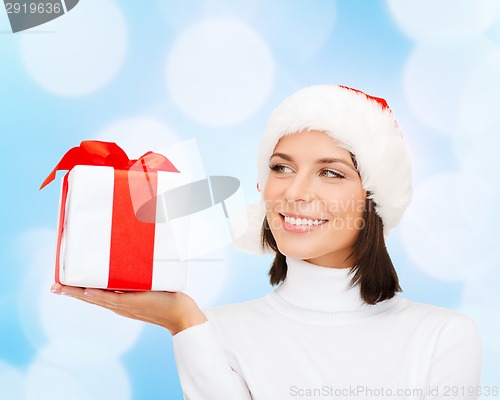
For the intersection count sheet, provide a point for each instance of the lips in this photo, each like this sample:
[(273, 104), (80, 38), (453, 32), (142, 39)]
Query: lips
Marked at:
[(302, 221)]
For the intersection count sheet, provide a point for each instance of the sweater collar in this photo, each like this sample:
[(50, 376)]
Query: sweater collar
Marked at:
[(320, 288)]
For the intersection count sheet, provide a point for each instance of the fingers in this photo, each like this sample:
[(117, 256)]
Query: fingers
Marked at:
[(67, 290), (127, 304), (107, 297), (77, 293), (56, 288), (82, 294), (99, 298)]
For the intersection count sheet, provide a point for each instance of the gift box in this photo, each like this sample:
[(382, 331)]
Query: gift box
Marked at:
[(134, 224)]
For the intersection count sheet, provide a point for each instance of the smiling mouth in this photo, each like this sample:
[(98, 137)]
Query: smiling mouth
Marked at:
[(303, 221)]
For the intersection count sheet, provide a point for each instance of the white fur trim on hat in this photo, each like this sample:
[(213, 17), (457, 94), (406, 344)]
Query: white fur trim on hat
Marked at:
[(363, 125)]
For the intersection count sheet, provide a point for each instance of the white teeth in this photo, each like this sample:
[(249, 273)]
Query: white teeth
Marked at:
[(304, 221)]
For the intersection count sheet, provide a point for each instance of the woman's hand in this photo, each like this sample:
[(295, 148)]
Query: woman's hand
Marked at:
[(175, 311)]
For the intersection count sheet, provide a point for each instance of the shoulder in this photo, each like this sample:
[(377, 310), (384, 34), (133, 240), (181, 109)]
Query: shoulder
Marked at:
[(439, 321), (425, 310), (454, 341), (247, 309)]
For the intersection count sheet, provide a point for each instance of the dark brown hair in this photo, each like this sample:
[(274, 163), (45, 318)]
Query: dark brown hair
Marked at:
[(373, 269)]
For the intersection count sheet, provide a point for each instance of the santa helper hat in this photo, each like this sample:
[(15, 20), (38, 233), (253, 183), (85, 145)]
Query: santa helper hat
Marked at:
[(359, 123)]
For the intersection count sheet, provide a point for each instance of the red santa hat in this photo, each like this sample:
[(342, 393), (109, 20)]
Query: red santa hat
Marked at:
[(359, 123)]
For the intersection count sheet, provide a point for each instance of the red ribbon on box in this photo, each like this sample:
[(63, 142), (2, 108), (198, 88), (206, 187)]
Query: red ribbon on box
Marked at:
[(131, 261)]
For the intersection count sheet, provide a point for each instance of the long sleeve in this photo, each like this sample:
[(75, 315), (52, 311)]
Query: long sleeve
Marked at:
[(456, 365), (204, 370)]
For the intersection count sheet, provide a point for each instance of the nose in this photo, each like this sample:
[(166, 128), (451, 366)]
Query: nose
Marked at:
[(300, 189)]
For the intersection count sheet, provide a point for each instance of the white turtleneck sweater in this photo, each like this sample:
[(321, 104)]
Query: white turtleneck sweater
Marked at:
[(314, 338)]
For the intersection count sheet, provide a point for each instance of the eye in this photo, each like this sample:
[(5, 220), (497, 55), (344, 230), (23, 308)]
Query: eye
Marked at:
[(330, 173), (281, 169)]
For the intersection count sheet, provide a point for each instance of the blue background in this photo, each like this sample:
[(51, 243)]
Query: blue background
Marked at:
[(376, 46)]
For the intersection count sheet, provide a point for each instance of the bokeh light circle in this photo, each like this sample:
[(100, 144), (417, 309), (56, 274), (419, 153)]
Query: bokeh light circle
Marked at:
[(443, 20), (66, 318), (47, 382), (138, 135), (435, 99), (478, 193), (297, 29), (437, 236), (219, 71), (83, 51), (101, 381), (11, 382), (479, 116)]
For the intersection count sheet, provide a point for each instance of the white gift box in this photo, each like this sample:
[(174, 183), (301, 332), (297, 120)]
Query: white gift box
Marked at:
[(187, 216), (86, 241)]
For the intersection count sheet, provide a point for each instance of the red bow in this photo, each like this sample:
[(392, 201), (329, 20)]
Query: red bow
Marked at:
[(93, 152)]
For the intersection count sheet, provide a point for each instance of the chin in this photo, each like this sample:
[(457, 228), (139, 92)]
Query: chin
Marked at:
[(302, 252)]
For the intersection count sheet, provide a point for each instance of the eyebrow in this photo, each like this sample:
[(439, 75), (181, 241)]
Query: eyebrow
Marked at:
[(326, 160)]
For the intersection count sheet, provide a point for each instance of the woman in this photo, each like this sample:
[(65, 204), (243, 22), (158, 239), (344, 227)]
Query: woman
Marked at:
[(335, 177)]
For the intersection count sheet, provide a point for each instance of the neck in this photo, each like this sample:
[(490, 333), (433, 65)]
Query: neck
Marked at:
[(319, 288), (320, 294)]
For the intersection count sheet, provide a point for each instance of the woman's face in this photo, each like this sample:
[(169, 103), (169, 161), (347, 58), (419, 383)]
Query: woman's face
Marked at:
[(314, 199)]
